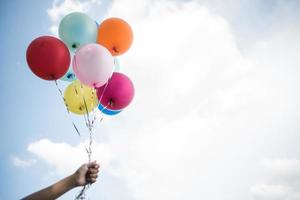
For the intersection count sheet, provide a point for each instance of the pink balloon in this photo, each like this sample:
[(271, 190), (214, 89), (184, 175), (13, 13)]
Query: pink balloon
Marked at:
[(118, 93), (93, 65)]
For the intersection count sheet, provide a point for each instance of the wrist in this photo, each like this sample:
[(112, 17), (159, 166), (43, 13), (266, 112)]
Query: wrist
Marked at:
[(72, 181)]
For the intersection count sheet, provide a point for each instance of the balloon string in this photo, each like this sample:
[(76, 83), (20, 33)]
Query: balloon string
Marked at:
[(100, 99), (94, 110), (106, 84), (82, 193), (90, 125), (115, 64), (66, 105)]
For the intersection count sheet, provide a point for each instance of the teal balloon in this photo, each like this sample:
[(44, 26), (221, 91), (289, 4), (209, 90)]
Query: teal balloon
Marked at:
[(117, 65), (77, 29), (69, 76), (108, 111)]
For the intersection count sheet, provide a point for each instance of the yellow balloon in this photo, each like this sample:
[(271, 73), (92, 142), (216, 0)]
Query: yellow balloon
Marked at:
[(75, 95)]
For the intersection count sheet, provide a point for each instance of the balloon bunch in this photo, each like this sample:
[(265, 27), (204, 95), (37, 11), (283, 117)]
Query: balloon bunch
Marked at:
[(85, 56)]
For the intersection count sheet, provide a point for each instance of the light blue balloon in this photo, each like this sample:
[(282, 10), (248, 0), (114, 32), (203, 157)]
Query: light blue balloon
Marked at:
[(117, 67), (108, 111), (69, 76), (77, 29), (97, 24)]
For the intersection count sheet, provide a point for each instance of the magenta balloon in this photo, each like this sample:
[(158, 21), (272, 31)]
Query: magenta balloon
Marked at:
[(118, 93), (93, 65)]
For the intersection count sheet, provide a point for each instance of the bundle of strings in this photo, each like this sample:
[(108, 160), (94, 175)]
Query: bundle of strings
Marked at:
[(90, 124)]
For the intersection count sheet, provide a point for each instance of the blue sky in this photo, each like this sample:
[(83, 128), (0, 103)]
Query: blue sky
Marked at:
[(238, 60), (18, 124), (33, 108)]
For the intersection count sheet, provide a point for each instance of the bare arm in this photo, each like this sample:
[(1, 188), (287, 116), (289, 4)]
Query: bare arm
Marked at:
[(87, 173)]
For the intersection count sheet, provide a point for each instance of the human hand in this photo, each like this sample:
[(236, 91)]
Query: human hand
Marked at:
[(86, 174)]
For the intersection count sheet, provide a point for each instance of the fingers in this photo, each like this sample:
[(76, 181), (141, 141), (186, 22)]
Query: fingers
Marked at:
[(92, 177), (92, 173), (93, 167), (91, 180), (93, 170)]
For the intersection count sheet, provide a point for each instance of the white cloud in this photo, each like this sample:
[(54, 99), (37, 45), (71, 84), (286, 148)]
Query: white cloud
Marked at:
[(282, 180), (65, 158), (287, 168), (16, 161), (204, 112), (274, 192), (60, 8)]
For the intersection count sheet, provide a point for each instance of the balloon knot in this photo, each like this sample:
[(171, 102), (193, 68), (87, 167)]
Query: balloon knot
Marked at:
[(115, 49), (111, 103), (69, 76), (74, 45)]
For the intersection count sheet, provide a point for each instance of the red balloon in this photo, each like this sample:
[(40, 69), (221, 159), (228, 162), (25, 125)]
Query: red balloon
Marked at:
[(48, 57), (118, 93)]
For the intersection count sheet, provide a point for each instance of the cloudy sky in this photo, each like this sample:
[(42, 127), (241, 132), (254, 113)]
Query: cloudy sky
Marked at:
[(215, 116)]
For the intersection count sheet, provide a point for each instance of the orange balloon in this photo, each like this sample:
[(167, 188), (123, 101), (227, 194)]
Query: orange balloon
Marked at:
[(116, 35)]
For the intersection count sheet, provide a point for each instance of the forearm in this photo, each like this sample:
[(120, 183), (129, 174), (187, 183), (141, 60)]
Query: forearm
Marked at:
[(54, 191)]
